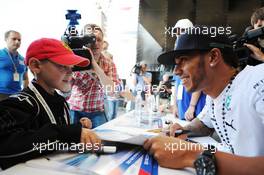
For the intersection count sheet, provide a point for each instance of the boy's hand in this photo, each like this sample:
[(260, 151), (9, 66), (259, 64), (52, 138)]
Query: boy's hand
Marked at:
[(86, 123), (89, 137)]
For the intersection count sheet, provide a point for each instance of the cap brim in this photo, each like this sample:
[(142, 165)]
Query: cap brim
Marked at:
[(168, 58), (71, 60)]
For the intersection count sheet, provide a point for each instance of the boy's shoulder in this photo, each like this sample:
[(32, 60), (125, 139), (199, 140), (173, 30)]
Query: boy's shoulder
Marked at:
[(25, 99)]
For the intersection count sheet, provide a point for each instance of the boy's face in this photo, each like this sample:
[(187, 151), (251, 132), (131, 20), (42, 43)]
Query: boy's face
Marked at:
[(53, 76)]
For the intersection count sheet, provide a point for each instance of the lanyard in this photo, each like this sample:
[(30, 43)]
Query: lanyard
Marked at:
[(11, 58), (155, 167), (149, 166), (136, 154), (45, 106)]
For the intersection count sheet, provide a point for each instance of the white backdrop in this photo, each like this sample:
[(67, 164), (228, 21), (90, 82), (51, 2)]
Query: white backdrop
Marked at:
[(41, 18), (46, 18)]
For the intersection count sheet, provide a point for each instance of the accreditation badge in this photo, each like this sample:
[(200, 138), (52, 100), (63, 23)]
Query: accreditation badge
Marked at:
[(16, 76)]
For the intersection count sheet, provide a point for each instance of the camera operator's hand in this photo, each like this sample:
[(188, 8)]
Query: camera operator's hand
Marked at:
[(95, 66), (257, 53), (106, 81), (93, 62)]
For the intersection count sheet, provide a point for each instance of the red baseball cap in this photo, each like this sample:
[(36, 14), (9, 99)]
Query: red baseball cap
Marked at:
[(56, 51)]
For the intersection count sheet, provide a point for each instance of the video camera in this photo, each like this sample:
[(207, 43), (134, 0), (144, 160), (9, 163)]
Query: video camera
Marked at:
[(137, 69), (75, 41), (250, 36)]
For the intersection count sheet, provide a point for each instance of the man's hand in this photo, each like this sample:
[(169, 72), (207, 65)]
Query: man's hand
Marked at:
[(189, 114), (89, 137), (174, 127), (257, 53), (93, 59), (173, 152), (86, 123)]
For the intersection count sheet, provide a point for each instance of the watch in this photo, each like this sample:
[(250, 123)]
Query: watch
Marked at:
[(205, 164)]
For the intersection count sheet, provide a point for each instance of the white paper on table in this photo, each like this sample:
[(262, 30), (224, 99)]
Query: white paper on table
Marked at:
[(124, 135)]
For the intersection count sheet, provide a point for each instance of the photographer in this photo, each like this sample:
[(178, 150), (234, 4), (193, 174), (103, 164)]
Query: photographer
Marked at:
[(165, 91), (89, 86), (141, 79), (257, 21)]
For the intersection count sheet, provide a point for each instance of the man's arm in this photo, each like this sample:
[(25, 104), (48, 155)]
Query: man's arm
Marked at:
[(232, 164), (108, 78), (198, 127), (166, 151), (189, 114), (201, 125), (104, 79), (195, 126), (238, 165)]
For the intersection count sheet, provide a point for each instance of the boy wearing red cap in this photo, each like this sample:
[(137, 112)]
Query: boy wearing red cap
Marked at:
[(38, 114)]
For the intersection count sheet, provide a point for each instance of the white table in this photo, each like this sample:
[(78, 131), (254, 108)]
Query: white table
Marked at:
[(43, 166)]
